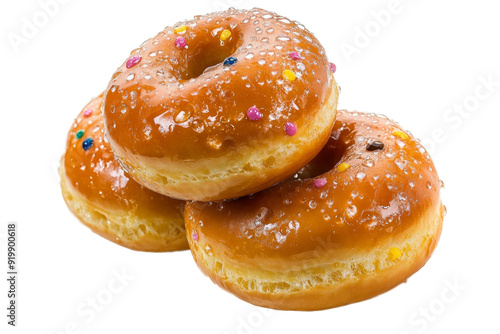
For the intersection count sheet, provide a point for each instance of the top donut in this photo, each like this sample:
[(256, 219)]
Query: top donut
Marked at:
[(221, 106)]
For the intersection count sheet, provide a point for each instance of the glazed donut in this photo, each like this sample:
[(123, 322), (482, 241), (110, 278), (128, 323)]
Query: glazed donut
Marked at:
[(358, 220), (104, 198), (221, 106)]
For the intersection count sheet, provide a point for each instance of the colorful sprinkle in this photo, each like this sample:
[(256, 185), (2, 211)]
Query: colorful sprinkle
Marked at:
[(88, 112), (132, 61), (374, 146), (87, 143), (343, 167), (289, 75), (395, 253), (290, 128), (254, 113), (180, 29), (333, 67), (295, 55), (180, 42), (225, 34), (79, 134), (195, 236), (400, 134), (319, 183), (230, 61)]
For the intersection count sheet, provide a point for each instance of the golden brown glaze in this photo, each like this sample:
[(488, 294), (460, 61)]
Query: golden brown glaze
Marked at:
[(385, 198), (184, 107), (104, 197), (370, 200), (97, 176)]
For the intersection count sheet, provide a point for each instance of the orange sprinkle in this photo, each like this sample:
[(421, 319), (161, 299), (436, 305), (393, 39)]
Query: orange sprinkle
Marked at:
[(180, 29), (289, 75), (400, 134), (225, 34), (343, 167)]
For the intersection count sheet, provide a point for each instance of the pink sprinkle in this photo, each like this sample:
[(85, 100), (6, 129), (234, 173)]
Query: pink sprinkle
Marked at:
[(254, 113), (319, 183), (195, 236), (290, 128), (132, 61), (333, 67), (180, 42), (295, 55), (87, 112)]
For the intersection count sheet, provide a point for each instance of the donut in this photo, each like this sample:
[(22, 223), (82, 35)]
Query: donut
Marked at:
[(358, 220), (221, 106), (107, 200)]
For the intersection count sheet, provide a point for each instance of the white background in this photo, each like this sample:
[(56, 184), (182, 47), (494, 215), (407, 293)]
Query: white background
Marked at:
[(427, 57)]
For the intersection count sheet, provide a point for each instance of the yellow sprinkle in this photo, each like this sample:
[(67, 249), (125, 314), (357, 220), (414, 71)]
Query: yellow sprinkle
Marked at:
[(225, 34), (343, 167), (400, 134), (395, 253), (180, 29), (289, 75)]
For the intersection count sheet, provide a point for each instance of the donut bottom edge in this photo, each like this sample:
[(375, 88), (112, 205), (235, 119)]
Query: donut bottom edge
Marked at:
[(148, 232), (359, 287)]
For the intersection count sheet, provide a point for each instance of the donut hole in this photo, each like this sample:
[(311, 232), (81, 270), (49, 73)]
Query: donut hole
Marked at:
[(325, 161), (205, 52)]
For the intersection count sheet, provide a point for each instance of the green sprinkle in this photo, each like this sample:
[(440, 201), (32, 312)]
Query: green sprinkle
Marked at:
[(79, 134)]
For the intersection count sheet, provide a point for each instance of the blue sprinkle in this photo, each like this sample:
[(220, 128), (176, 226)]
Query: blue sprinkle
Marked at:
[(87, 143), (230, 61)]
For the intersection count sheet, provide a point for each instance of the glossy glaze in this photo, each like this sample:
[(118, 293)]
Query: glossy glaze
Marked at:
[(185, 105), (379, 196), (98, 177)]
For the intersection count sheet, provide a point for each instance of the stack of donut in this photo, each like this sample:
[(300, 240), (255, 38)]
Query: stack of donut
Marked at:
[(222, 134)]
